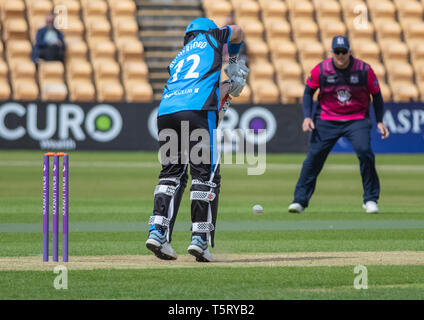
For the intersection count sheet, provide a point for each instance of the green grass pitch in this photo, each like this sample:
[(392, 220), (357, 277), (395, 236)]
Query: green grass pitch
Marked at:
[(111, 199)]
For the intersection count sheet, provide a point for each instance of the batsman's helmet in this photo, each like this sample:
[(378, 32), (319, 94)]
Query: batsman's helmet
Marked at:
[(200, 24)]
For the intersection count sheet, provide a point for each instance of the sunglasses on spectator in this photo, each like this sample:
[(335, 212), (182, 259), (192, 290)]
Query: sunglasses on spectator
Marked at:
[(338, 51)]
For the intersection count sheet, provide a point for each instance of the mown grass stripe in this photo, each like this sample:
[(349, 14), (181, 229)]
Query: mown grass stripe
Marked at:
[(227, 226), (149, 164)]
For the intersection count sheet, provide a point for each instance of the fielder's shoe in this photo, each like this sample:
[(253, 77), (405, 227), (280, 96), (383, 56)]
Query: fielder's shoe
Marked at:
[(199, 248), (296, 208), (158, 244), (370, 207)]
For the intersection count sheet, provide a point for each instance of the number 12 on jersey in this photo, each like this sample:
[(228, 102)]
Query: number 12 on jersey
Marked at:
[(190, 74)]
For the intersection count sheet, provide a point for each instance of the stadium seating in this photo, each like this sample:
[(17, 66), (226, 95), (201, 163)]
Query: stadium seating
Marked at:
[(4, 83), (51, 80), (285, 39), (291, 91), (12, 10), (264, 91), (328, 15), (130, 51), (217, 9), (273, 9), (122, 9), (382, 10), (278, 36), (102, 40), (36, 12), (261, 84), (79, 73), (21, 67), (409, 12)]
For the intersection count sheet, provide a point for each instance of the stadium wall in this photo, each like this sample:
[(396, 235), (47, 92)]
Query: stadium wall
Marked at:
[(132, 126), (405, 122)]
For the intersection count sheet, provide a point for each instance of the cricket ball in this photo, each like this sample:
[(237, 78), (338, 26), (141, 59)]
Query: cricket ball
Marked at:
[(257, 209)]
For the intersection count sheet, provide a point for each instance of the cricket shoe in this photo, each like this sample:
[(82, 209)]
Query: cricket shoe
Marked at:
[(158, 244), (199, 248), (296, 208), (370, 207)]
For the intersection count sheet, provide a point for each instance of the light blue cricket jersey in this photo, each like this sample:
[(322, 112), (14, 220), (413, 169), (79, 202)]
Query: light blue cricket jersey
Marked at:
[(195, 74)]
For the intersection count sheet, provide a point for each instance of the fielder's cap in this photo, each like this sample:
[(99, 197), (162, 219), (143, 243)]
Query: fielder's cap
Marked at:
[(340, 42), (202, 24)]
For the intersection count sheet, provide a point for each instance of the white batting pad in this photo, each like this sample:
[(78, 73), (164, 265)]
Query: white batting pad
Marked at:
[(207, 196), (168, 190), (202, 227), (159, 220)]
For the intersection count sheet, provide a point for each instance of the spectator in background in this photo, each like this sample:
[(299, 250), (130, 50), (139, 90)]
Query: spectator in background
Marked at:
[(243, 50), (49, 43)]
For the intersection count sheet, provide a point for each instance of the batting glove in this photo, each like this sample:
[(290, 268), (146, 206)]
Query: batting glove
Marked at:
[(236, 68), (237, 85)]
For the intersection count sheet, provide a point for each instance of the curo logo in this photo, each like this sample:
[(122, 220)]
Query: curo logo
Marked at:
[(258, 119), (102, 123)]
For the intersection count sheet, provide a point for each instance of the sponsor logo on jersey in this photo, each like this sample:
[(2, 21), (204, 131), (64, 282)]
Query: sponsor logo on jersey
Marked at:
[(343, 96)]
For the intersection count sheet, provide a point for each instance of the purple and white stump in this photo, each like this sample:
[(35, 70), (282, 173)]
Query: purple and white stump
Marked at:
[(46, 167), (55, 235), (46, 204), (65, 198)]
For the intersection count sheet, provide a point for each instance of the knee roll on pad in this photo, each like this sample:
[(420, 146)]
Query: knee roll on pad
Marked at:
[(168, 190), (167, 186), (164, 192), (202, 191)]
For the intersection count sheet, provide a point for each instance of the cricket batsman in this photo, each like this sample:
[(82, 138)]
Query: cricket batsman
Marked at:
[(192, 96), (345, 85)]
